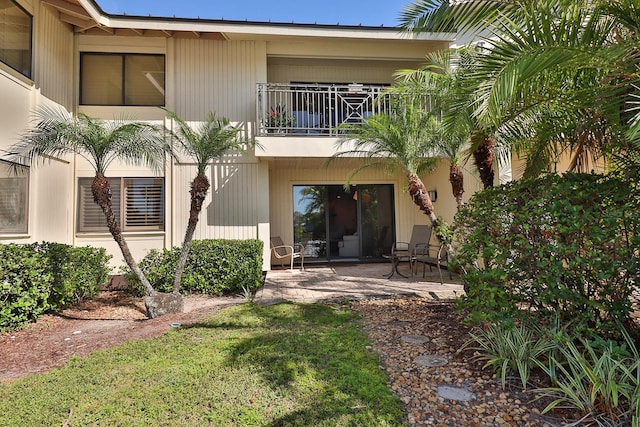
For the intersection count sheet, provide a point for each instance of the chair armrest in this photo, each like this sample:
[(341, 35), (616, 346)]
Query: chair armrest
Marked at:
[(287, 248), (424, 249), (400, 247)]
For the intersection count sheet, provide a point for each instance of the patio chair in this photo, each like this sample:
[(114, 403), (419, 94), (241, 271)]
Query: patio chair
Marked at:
[(431, 255), (403, 251), (282, 251)]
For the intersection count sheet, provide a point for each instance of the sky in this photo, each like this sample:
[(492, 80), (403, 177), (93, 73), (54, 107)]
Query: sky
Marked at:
[(343, 12)]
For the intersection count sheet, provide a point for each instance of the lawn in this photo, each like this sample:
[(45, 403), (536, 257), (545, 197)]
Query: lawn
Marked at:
[(286, 364)]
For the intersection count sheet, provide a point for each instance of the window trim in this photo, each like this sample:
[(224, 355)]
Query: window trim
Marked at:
[(30, 16), (26, 176), (123, 55), (121, 210)]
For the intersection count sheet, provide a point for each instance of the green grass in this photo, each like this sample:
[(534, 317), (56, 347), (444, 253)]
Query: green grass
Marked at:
[(282, 365)]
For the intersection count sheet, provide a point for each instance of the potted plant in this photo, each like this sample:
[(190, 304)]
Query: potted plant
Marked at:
[(279, 119)]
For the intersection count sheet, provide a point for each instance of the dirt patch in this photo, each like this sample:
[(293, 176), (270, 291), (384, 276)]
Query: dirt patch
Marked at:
[(110, 319)]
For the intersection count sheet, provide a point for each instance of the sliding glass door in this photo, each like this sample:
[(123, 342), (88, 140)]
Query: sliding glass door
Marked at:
[(338, 224)]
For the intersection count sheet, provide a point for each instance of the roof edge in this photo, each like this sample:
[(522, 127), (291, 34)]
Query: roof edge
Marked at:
[(254, 27)]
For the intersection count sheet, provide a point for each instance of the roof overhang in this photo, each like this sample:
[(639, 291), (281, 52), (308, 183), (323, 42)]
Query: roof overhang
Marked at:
[(86, 17)]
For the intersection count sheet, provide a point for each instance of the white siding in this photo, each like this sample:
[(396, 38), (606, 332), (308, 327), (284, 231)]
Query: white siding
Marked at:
[(335, 72), (53, 57), (218, 76), (231, 210)]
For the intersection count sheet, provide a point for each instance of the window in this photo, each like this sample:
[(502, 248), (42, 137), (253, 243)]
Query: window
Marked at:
[(15, 37), (14, 199), (121, 79), (138, 204)]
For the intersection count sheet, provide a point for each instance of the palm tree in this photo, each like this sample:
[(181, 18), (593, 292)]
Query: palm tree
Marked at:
[(554, 76), (209, 141), (403, 139), (437, 80), (57, 134)]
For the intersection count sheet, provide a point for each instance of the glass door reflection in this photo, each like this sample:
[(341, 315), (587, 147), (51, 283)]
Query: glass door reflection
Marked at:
[(309, 219)]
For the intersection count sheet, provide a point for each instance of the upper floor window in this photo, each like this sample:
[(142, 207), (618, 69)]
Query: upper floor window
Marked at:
[(138, 204), (15, 37), (121, 79), (14, 197)]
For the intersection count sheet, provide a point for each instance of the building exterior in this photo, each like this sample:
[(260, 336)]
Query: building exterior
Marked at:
[(287, 85)]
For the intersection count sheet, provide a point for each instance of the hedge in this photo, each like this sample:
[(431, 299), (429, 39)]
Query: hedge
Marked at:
[(215, 267), (563, 248), (40, 277)]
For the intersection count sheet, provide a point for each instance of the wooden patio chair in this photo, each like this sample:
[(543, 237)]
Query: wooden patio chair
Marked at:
[(282, 251)]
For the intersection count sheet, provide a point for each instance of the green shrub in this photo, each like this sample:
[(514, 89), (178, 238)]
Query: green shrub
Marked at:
[(560, 247), (40, 277), (216, 267), (78, 272), (25, 285)]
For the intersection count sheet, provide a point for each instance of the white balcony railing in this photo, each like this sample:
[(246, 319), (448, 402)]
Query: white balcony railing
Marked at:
[(315, 110)]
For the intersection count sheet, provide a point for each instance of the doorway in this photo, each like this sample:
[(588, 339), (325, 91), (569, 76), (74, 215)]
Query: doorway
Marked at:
[(334, 223)]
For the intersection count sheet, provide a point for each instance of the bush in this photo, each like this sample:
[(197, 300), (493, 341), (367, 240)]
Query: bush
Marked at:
[(78, 272), (563, 248), (25, 285), (40, 277), (216, 267)]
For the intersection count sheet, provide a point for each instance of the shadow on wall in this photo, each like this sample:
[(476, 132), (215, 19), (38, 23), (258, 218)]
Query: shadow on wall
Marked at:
[(234, 195)]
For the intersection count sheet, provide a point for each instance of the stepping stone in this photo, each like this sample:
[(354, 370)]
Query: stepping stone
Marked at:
[(455, 393), (431, 360), (399, 323), (415, 339)]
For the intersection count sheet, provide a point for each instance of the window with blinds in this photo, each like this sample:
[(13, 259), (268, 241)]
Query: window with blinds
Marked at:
[(14, 199), (15, 37), (138, 204), (144, 203)]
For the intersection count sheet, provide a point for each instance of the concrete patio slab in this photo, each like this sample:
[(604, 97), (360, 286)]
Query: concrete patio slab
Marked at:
[(358, 281)]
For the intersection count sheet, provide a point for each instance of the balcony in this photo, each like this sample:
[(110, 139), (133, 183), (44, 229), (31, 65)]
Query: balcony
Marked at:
[(315, 110)]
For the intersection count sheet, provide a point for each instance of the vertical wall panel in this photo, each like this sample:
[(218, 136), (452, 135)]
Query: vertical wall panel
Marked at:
[(53, 57), (217, 76), (231, 210), (379, 74)]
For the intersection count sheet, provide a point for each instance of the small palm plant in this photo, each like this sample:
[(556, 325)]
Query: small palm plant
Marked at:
[(100, 143), (209, 141), (402, 140)]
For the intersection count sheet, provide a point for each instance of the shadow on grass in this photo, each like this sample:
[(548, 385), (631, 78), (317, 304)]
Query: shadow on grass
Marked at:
[(317, 354)]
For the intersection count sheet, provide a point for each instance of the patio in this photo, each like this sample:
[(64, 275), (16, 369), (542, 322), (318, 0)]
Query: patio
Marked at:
[(354, 281)]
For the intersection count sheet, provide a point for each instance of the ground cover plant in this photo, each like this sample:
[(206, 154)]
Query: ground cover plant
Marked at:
[(286, 364)]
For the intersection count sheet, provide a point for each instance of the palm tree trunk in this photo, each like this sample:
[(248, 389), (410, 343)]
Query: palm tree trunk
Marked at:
[(457, 182), (421, 198), (101, 190), (484, 156), (199, 188)]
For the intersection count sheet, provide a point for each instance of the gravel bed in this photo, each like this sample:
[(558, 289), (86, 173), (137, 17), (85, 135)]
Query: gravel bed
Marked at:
[(420, 342)]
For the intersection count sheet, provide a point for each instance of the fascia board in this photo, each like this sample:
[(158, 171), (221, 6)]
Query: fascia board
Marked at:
[(256, 28)]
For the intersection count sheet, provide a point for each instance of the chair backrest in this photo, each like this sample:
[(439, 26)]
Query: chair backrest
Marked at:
[(276, 245), (419, 234)]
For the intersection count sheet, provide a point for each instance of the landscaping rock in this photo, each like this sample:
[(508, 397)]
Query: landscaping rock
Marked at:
[(161, 303)]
